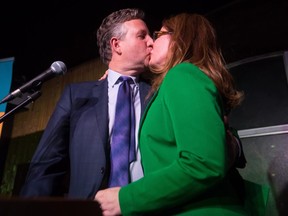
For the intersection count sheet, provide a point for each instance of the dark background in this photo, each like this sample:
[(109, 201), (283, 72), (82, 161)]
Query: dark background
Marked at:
[(37, 33)]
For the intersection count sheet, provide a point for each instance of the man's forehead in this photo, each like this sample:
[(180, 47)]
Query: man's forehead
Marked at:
[(136, 25)]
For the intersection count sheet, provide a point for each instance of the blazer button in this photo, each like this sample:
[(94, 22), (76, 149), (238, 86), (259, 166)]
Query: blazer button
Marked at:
[(102, 170)]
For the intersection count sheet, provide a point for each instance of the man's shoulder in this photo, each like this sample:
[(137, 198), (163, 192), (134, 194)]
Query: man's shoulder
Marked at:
[(86, 83), (85, 88)]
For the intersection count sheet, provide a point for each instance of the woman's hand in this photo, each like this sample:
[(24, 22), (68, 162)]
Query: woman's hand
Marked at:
[(108, 201), (104, 75)]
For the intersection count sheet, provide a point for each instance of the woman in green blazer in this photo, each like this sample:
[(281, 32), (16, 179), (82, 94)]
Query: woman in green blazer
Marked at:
[(182, 133)]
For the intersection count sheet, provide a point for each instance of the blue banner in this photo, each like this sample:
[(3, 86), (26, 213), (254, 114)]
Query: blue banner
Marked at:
[(6, 70)]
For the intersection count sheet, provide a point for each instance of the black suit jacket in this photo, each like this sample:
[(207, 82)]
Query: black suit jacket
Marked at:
[(75, 143)]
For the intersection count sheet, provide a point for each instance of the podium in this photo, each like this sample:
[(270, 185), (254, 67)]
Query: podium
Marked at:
[(15, 206)]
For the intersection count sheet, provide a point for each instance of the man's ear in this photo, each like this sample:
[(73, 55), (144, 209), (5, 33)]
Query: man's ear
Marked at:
[(115, 45)]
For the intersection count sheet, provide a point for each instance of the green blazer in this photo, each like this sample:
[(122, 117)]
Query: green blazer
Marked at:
[(183, 149)]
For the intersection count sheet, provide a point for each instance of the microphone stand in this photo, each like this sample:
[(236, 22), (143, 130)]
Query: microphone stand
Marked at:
[(29, 99)]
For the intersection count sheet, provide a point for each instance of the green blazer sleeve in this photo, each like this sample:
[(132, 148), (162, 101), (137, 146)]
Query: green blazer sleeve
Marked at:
[(182, 145)]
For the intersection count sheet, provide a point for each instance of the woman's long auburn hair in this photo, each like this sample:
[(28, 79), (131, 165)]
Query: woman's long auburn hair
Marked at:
[(194, 40)]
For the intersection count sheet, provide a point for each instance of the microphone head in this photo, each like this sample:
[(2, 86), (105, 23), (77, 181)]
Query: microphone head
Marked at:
[(59, 68)]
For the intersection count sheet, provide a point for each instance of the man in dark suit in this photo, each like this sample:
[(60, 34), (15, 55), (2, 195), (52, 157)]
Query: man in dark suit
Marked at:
[(76, 141)]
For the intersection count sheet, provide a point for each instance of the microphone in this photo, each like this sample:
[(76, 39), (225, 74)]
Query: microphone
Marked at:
[(57, 68)]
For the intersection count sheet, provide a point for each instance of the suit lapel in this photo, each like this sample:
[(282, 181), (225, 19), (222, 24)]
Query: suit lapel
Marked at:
[(147, 105), (101, 109), (144, 88)]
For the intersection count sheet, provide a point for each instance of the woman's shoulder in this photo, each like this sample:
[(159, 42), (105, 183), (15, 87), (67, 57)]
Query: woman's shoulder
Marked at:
[(188, 72), (185, 66)]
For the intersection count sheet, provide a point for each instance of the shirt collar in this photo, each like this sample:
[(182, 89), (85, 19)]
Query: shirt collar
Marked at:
[(113, 76)]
